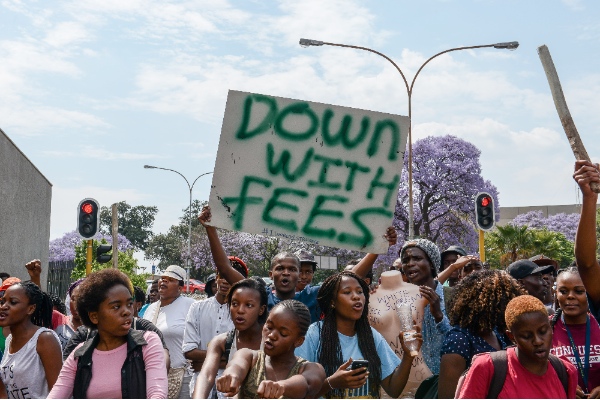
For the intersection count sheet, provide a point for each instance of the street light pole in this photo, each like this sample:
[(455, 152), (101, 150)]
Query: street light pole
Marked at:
[(189, 243), (409, 91)]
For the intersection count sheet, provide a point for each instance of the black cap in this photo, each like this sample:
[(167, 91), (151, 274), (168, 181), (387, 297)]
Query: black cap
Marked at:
[(453, 249), (523, 268)]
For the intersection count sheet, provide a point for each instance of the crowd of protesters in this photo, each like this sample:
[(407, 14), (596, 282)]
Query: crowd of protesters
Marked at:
[(529, 331)]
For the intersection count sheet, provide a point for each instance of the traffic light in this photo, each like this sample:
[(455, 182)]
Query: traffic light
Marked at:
[(87, 218), (484, 211), (101, 255)]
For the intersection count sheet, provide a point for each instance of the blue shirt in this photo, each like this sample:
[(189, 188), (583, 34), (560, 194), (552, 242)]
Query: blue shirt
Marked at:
[(349, 344), (433, 333), (308, 296), (462, 342)]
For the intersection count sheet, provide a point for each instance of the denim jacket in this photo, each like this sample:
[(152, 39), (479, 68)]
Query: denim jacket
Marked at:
[(133, 371), (434, 333)]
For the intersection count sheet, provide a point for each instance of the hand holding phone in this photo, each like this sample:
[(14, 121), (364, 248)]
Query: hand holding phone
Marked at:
[(356, 364)]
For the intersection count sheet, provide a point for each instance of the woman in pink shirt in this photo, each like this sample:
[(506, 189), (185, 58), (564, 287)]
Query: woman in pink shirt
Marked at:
[(105, 303)]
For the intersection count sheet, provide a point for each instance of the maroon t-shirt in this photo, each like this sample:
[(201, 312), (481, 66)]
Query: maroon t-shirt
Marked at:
[(561, 347), (519, 384)]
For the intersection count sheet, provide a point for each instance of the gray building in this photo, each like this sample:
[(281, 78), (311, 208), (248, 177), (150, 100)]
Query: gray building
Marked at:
[(25, 200), (507, 214)]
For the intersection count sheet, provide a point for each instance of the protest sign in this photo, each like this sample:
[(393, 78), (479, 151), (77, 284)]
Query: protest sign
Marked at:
[(307, 171)]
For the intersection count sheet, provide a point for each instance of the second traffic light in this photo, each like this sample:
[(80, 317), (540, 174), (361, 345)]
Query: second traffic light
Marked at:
[(87, 218), (484, 211), (101, 255)]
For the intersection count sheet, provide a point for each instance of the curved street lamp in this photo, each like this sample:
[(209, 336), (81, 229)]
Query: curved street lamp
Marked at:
[(409, 90), (189, 244)]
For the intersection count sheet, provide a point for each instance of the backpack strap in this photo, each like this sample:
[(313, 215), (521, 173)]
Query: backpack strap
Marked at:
[(561, 371), (228, 344), (500, 361)]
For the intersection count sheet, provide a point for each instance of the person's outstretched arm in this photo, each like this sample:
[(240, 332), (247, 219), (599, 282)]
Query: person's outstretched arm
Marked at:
[(235, 373), (216, 248), (208, 373), (585, 239), (305, 385), (444, 275)]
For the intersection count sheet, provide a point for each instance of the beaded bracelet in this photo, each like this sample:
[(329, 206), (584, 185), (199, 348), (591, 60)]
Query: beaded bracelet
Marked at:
[(327, 379)]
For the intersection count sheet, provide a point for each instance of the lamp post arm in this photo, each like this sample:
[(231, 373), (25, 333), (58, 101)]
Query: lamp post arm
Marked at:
[(178, 173), (412, 84), (376, 52), (201, 175)]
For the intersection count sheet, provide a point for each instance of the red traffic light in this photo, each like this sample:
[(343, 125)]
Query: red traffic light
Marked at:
[(87, 208), (88, 220), (484, 211)]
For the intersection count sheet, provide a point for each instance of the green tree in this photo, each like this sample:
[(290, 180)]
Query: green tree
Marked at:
[(126, 263), (135, 223), (168, 247), (507, 244), (553, 245)]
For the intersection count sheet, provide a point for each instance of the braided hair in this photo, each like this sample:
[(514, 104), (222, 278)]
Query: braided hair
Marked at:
[(330, 354), (42, 315), (558, 313), (300, 312), (58, 304)]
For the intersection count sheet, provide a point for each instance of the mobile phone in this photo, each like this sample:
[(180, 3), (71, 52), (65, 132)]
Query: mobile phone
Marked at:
[(356, 364)]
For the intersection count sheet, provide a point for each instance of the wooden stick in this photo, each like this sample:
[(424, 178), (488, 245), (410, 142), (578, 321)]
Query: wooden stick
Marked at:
[(563, 111)]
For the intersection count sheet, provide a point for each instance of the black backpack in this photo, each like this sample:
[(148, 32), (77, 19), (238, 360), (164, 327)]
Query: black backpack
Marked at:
[(500, 361)]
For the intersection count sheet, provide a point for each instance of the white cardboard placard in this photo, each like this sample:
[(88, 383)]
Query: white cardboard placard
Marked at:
[(307, 171)]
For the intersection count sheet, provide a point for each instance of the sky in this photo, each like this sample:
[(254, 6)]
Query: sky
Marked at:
[(91, 91)]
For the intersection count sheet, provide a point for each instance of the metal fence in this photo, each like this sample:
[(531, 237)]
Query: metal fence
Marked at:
[(59, 277)]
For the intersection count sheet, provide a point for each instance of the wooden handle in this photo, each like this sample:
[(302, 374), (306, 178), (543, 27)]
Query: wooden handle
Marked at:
[(563, 111)]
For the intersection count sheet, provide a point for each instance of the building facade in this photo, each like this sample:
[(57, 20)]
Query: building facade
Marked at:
[(25, 202)]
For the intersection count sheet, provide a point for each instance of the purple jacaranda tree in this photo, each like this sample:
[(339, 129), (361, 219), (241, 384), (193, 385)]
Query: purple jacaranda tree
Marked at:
[(257, 251), (63, 248), (562, 223), (446, 179)]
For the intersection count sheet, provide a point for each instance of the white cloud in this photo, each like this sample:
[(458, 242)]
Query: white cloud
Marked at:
[(21, 119), (96, 152), (67, 33), (522, 164)]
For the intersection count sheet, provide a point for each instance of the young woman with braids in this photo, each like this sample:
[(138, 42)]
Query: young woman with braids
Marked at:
[(32, 357), (275, 372), (477, 316), (576, 332), (247, 301), (345, 335)]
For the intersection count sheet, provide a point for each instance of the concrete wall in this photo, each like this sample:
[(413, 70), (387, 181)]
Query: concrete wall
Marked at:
[(25, 199), (507, 214)]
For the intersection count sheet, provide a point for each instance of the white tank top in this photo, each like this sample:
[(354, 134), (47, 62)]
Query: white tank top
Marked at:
[(22, 372)]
